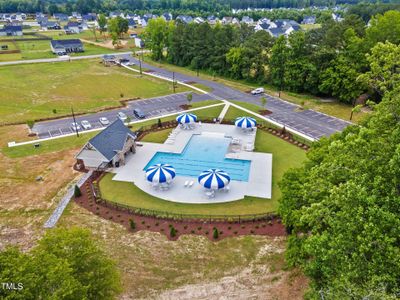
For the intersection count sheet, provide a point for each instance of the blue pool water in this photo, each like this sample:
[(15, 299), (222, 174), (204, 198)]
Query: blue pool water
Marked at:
[(202, 153)]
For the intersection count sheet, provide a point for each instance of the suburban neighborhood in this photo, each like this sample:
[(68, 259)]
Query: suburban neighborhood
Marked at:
[(199, 150)]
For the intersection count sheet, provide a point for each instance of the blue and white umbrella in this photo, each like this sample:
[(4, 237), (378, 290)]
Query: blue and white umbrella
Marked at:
[(186, 118), (214, 179), (160, 173), (245, 122)]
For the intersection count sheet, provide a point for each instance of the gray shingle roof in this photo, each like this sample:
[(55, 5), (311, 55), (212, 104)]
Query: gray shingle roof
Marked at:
[(111, 139), (74, 43)]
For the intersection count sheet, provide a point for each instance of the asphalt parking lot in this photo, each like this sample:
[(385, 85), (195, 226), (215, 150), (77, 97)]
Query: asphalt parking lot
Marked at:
[(151, 107)]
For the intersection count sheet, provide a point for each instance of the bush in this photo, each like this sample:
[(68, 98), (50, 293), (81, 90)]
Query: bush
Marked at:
[(159, 123), (30, 123), (172, 231), (77, 192), (54, 111), (132, 224), (215, 233)]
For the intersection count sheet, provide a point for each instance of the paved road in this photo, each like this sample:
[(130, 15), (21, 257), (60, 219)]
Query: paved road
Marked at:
[(152, 107), (308, 122)]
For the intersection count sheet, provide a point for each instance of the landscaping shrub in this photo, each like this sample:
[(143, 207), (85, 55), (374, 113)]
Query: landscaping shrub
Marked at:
[(215, 233), (54, 111), (30, 123), (143, 222), (172, 231), (132, 224), (77, 192)]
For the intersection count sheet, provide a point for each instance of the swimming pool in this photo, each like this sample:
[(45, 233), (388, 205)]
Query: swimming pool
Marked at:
[(202, 153)]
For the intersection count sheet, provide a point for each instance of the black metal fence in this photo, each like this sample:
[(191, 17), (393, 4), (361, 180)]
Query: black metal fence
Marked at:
[(186, 217)]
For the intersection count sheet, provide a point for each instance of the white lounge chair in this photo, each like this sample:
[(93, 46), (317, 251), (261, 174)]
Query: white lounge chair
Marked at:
[(227, 188), (186, 183), (249, 147), (191, 183)]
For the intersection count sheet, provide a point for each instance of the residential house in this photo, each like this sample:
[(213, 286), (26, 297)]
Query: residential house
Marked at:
[(76, 15), (212, 20), (60, 17), (247, 20), (73, 28), (235, 21), (309, 20), (337, 17), (11, 30), (226, 20), (167, 16), (62, 47), (109, 148), (276, 32), (139, 42), (91, 17), (184, 19), (198, 20), (42, 19), (131, 23), (262, 26), (115, 14), (50, 25)]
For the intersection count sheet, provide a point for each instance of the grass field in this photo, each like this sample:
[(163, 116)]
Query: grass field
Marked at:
[(33, 91), (285, 156)]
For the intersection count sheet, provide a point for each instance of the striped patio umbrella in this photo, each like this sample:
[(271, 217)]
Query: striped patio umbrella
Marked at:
[(186, 118), (214, 179), (160, 173), (245, 122)]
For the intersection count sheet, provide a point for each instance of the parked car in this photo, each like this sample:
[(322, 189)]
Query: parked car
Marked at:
[(86, 125), (257, 91), (139, 113), (122, 116), (104, 121), (75, 126)]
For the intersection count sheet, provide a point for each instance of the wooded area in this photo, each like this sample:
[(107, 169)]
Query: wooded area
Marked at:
[(332, 61)]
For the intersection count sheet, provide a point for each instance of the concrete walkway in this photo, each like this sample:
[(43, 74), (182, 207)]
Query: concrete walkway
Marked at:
[(224, 111), (55, 216)]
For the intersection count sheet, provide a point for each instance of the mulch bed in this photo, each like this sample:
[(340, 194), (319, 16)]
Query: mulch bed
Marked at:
[(185, 106), (226, 229), (264, 112)]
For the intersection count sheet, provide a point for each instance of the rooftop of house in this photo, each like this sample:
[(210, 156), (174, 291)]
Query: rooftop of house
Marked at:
[(12, 28), (66, 43), (112, 139)]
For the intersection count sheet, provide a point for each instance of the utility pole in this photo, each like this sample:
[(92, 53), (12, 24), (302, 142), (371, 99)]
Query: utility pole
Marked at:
[(173, 81), (76, 125)]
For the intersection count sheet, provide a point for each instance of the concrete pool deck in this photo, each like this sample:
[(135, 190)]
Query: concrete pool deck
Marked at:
[(260, 176)]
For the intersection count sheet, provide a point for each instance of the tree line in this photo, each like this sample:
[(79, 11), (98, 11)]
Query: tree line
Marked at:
[(188, 6), (326, 61), (342, 207)]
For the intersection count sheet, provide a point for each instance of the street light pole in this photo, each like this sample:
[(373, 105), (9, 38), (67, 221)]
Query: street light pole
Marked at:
[(173, 81), (76, 125)]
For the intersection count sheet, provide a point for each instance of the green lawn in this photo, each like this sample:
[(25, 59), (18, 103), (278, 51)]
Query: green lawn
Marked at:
[(33, 91), (285, 156), (71, 142), (55, 145)]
